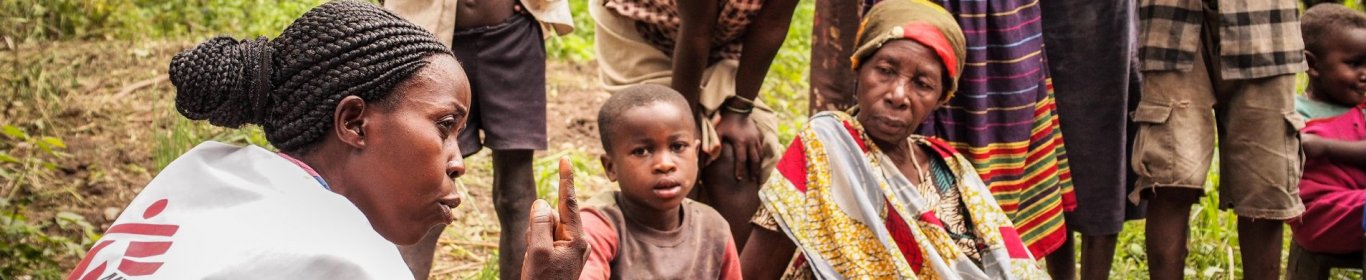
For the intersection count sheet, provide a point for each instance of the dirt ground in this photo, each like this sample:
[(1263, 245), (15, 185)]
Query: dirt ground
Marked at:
[(113, 100)]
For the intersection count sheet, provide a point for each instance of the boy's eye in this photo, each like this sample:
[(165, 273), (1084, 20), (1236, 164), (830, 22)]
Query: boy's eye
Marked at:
[(639, 152), (679, 147)]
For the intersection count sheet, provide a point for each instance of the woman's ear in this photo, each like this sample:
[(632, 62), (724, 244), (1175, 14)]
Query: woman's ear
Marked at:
[(349, 121), (607, 168), (1312, 61)]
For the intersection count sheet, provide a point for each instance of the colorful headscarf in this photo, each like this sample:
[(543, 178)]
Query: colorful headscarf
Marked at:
[(921, 21)]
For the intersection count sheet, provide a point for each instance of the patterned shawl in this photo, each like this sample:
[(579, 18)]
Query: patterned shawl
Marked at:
[(845, 205)]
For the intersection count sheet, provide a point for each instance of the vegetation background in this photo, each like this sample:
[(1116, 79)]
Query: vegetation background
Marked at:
[(87, 118)]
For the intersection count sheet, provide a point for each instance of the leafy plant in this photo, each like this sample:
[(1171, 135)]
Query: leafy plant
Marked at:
[(576, 46), (25, 245)]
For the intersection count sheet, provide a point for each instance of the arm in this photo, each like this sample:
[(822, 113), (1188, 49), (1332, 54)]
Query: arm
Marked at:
[(602, 241), (766, 254), (730, 265), (762, 40), (1353, 152), (693, 47)]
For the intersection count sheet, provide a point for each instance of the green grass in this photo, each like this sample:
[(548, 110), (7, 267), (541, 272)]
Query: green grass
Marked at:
[(141, 19)]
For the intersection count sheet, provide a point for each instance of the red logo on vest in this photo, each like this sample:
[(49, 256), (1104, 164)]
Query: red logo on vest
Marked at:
[(136, 249)]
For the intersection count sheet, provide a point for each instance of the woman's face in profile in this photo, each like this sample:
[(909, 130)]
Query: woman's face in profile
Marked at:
[(898, 86), (412, 154)]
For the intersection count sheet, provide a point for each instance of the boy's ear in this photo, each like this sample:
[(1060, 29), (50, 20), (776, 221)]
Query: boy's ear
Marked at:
[(349, 121), (1312, 62), (607, 168)]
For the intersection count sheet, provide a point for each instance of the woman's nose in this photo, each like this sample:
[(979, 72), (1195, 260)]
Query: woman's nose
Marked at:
[(455, 167), (899, 97)]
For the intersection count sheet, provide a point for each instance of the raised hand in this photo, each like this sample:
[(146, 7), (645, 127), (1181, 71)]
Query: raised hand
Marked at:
[(556, 248)]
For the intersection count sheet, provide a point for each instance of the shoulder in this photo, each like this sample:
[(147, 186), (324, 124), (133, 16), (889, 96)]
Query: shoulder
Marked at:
[(707, 219), (600, 216)]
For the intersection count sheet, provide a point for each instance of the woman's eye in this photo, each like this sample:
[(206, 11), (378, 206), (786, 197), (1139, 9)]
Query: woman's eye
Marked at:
[(886, 70), (447, 125)]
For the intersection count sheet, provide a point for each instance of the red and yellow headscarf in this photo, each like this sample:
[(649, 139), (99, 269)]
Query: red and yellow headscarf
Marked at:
[(921, 21)]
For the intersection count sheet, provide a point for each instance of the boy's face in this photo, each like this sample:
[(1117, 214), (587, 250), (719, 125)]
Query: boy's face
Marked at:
[(1339, 73), (653, 156)]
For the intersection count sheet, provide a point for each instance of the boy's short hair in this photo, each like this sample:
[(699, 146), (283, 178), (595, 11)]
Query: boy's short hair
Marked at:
[(632, 97), (1323, 19)]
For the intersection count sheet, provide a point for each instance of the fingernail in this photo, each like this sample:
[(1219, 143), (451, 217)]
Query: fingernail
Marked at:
[(542, 211)]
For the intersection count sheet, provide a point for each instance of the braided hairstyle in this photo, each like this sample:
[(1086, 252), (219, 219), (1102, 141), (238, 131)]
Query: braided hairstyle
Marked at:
[(291, 85)]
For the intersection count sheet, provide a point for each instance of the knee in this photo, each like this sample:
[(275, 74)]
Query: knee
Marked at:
[(513, 203)]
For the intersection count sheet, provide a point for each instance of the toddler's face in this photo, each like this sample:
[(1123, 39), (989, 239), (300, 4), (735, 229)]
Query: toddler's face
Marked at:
[(1339, 73)]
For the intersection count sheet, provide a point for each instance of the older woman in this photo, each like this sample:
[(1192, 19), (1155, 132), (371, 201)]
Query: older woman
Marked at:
[(364, 108), (861, 196)]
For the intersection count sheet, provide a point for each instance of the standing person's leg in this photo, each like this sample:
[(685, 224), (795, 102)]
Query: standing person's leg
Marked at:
[(1171, 157), (1062, 264), (1168, 230), (506, 65), (513, 191), (1089, 47), (1260, 162), (1098, 252)]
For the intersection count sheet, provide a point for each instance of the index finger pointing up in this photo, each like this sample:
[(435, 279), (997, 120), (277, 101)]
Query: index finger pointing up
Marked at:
[(570, 228)]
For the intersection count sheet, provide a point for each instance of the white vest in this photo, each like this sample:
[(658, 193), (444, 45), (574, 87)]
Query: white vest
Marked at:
[(227, 212)]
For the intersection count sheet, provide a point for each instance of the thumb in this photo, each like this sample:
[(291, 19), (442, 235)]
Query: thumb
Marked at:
[(541, 229)]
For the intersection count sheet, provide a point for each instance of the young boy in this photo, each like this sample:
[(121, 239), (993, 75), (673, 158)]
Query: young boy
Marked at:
[(1333, 187), (650, 229)]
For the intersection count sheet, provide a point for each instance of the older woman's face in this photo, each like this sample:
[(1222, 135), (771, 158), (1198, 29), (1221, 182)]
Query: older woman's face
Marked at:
[(898, 86), (412, 154)]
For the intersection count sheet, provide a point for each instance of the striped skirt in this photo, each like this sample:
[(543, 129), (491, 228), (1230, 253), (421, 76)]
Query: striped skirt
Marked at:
[(1004, 118)]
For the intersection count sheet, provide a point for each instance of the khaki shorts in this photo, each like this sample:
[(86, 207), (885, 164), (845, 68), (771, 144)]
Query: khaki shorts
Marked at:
[(626, 59), (1260, 158)]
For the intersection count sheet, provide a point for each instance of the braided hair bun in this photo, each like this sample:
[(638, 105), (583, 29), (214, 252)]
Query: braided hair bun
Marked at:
[(224, 81), (291, 85)]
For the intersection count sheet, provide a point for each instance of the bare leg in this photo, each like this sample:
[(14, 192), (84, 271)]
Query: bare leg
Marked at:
[(736, 200), (1261, 245), (1168, 212), (419, 255), (1098, 253), (513, 191), (1062, 264)]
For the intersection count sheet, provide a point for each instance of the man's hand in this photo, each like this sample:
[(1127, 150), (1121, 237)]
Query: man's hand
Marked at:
[(744, 137), (556, 248)]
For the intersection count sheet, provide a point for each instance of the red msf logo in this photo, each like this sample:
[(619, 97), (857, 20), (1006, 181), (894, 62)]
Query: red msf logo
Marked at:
[(136, 249)]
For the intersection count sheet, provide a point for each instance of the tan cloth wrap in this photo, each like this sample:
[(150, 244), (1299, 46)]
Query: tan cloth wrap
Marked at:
[(438, 16), (625, 59)]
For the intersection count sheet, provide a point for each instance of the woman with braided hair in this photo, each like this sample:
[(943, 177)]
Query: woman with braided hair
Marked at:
[(364, 108)]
